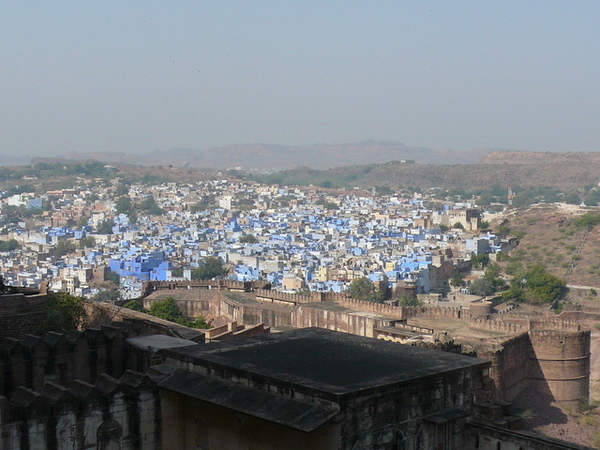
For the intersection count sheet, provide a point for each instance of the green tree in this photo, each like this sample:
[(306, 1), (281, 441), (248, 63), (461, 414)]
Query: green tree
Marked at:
[(200, 322), (209, 268), (121, 190), (88, 242), (459, 226), (535, 286), (480, 261), (588, 220), (364, 289), (149, 205), (10, 245), (408, 300), (573, 199), (248, 239), (482, 286), (503, 230), (457, 279), (384, 190), (135, 305), (106, 226), (63, 312), (169, 310), (123, 205), (166, 309), (113, 277), (64, 248), (177, 272)]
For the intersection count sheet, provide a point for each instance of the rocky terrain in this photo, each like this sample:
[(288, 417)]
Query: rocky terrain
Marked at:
[(549, 236)]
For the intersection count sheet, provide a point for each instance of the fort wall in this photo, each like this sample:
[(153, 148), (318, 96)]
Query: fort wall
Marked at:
[(559, 365), (548, 354), (112, 413), (30, 361), (509, 366), (20, 314)]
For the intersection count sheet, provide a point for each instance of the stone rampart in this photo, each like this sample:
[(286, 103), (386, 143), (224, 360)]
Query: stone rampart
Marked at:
[(20, 314), (509, 366), (378, 308), (559, 365), (149, 286), (553, 323), (30, 361), (112, 413), (284, 297)]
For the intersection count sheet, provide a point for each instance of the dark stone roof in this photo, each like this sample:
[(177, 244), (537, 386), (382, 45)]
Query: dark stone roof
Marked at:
[(328, 361), (275, 408), (156, 342)]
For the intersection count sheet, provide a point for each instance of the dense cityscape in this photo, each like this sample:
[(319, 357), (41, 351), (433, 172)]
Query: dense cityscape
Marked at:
[(294, 238)]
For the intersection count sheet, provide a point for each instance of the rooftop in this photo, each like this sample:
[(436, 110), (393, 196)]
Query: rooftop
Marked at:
[(329, 361)]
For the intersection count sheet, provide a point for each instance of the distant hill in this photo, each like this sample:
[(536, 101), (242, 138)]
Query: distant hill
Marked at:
[(279, 157), (562, 173), (514, 157)]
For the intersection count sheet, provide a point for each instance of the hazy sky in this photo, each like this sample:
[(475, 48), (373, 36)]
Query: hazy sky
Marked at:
[(139, 76)]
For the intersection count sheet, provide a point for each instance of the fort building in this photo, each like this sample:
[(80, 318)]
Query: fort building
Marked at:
[(136, 383)]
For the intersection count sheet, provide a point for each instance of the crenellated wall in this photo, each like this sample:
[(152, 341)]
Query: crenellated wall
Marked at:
[(111, 413), (533, 357), (284, 297), (381, 309), (559, 365), (30, 361), (149, 286)]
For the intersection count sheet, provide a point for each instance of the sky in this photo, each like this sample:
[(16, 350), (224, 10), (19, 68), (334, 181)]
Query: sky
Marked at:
[(140, 76)]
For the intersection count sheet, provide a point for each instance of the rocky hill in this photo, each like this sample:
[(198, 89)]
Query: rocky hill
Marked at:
[(568, 175), (540, 158), (550, 236)]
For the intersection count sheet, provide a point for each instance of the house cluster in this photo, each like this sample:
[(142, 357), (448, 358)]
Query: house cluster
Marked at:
[(295, 238)]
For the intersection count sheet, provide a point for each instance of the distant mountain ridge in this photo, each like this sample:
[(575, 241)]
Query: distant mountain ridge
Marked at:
[(280, 157)]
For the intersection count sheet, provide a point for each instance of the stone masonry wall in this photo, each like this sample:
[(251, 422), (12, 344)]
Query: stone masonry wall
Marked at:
[(20, 314), (30, 361), (110, 414)]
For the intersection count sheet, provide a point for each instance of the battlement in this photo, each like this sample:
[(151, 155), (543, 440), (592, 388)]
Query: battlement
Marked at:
[(247, 286), (381, 309), (100, 415), (31, 361)]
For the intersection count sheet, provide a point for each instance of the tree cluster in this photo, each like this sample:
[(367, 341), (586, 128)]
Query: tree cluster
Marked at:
[(535, 286), (490, 283), (209, 268), (364, 289), (63, 312), (10, 245), (169, 310)]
